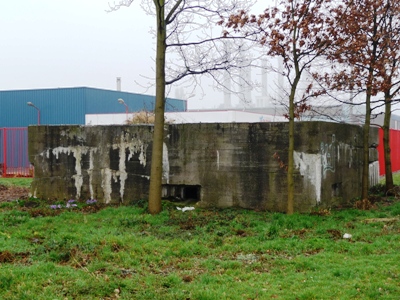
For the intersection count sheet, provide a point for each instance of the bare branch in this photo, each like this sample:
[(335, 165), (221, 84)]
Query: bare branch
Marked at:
[(117, 6)]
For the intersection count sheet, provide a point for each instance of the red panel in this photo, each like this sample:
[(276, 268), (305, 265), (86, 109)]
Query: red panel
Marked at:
[(395, 151), (14, 152), (381, 157)]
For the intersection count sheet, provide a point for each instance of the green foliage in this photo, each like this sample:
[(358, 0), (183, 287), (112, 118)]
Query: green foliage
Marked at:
[(378, 189), (125, 253), (13, 218)]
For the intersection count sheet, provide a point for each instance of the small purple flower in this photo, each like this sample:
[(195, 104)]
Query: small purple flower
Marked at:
[(91, 201), (71, 201), (55, 206)]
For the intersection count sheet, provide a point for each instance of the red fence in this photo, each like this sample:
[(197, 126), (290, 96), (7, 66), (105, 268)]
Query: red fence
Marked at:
[(395, 151), (14, 160)]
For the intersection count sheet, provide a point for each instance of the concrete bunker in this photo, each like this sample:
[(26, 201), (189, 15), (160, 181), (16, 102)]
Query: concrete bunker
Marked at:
[(214, 165)]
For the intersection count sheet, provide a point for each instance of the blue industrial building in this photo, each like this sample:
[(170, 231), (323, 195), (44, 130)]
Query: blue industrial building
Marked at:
[(70, 105), (54, 107)]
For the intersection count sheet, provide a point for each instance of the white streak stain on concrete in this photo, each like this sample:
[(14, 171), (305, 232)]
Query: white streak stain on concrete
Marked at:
[(90, 171), (106, 175), (347, 153), (134, 146), (165, 163), (310, 167), (115, 175), (34, 194), (142, 155), (122, 174), (77, 151), (137, 146), (44, 154), (217, 160)]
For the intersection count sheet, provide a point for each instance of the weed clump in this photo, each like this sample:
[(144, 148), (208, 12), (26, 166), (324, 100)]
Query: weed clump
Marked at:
[(378, 189), (6, 257), (364, 204)]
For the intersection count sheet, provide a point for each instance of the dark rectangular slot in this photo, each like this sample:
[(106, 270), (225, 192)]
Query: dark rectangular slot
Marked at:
[(181, 192)]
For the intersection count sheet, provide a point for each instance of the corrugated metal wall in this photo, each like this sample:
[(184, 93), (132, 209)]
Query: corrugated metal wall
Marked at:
[(14, 152), (69, 105), (105, 101), (57, 106)]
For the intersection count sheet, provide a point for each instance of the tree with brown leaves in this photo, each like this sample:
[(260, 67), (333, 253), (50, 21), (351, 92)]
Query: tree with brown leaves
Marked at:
[(296, 31), (366, 48), (391, 81)]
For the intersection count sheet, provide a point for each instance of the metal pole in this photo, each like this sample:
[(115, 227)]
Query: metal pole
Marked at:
[(4, 152), (38, 110), (121, 101)]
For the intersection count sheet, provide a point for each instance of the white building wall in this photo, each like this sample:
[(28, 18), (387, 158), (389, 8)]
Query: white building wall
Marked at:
[(226, 116)]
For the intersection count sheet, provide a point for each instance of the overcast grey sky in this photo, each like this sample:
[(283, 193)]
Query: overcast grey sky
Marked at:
[(71, 43)]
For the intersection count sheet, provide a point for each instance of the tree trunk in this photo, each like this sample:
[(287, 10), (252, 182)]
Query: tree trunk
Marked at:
[(158, 135), (290, 171), (365, 170), (386, 144)]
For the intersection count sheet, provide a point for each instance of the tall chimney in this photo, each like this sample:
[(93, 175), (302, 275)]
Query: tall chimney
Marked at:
[(118, 84)]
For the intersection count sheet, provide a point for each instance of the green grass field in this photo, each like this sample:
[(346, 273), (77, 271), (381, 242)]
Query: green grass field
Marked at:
[(92, 252), (396, 179), (122, 252), (16, 181)]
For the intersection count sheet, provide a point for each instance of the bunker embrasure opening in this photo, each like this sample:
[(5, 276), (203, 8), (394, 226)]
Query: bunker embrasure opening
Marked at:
[(181, 192)]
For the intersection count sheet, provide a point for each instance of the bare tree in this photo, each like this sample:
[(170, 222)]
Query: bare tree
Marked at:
[(187, 45)]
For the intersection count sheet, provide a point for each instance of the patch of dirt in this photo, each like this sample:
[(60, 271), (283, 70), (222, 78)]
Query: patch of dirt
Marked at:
[(9, 257), (335, 234), (41, 211), (241, 233), (11, 193), (91, 209), (301, 232), (6, 257)]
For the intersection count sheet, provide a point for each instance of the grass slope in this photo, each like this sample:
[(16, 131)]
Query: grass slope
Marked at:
[(123, 253)]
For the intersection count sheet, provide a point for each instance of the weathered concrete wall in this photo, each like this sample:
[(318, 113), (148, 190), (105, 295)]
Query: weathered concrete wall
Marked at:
[(230, 164)]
